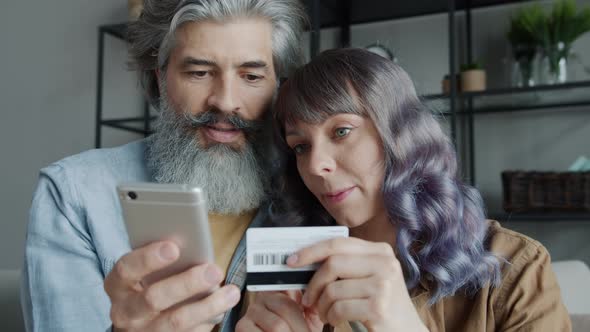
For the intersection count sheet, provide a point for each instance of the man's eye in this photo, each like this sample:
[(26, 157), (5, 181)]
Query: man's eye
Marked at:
[(252, 78), (198, 73), (299, 148), (341, 132)]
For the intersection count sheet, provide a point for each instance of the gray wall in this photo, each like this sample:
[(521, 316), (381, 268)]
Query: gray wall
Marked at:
[(47, 98)]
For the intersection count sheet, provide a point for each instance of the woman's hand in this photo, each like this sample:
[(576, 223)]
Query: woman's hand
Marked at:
[(358, 281), (279, 312)]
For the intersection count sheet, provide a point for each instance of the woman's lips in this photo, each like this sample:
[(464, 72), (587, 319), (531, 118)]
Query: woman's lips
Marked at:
[(338, 196), (222, 134)]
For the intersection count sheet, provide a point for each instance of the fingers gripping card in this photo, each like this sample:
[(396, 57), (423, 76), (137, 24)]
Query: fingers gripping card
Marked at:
[(268, 249)]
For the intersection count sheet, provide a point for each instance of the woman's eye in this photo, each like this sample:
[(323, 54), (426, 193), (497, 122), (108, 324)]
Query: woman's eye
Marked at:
[(341, 132), (299, 148)]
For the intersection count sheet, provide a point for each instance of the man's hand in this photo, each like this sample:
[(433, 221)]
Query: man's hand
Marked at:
[(160, 306), (279, 312)]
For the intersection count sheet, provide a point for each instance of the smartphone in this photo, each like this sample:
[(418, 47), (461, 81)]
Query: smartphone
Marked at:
[(175, 212)]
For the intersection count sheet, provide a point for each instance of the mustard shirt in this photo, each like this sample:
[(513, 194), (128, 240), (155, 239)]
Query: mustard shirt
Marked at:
[(226, 233), (528, 298)]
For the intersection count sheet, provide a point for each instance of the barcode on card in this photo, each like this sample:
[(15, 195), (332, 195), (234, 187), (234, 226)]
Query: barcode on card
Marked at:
[(271, 258)]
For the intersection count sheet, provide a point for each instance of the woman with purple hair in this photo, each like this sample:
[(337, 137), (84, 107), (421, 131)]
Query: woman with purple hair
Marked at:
[(364, 152)]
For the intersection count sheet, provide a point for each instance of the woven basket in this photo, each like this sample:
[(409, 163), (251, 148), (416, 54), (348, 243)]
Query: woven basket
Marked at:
[(546, 191)]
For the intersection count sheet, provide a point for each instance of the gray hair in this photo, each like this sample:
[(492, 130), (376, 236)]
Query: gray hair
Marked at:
[(151, 37), (235, 180)]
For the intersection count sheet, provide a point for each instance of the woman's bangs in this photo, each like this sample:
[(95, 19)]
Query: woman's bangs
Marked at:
[(312, 98)]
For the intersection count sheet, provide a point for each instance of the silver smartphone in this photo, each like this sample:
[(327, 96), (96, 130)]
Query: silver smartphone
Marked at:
[(176, 212)]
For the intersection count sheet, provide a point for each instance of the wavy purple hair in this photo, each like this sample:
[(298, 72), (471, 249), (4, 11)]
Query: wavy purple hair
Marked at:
[(440, 222)]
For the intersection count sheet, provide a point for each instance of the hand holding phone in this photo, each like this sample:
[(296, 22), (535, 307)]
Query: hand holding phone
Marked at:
[(178, 213), (145, 289)]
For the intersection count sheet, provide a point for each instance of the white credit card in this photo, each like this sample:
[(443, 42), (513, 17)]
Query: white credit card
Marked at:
[(268, 249)]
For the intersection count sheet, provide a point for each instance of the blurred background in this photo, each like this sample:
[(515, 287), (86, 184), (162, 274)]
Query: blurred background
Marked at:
[(520, 99)]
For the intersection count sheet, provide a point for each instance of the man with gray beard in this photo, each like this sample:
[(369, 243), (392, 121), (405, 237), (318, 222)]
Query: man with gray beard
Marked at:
[(235, 179), (212, 68)]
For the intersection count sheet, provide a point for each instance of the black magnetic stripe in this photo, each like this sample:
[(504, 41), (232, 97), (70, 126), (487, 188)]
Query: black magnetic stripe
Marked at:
[(278, 278)]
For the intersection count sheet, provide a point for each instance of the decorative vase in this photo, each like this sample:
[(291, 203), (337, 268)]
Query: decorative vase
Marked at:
[(135, 7), (522, 74), (473, 80), (554, 63), (523, 65)]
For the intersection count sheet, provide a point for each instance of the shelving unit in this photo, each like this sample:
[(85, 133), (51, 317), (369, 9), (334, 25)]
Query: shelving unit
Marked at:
[(571, 94), (323, 14), (458, 106), (541, 217), (140, 125), (335, 12)]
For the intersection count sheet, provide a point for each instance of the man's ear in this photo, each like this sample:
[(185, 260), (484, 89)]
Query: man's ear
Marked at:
[(158, 75)]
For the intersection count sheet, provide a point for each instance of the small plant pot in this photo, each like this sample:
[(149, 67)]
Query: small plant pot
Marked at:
[(446, 84), (135, 7), (473, 80)]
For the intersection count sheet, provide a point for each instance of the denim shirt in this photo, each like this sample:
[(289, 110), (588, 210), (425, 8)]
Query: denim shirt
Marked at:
[(76, 234)]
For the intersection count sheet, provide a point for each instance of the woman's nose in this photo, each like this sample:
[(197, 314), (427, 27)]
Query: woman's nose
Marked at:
[(321, 162)]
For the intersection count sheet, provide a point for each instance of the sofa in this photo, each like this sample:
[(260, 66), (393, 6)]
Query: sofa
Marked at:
[(11, 318), (573, 278)]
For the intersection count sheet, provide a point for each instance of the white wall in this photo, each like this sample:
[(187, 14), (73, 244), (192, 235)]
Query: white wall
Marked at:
[(48, 62), (48, 85)]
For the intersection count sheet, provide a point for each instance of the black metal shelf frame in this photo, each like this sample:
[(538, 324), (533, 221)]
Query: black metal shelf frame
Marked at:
[(117, 31), (540, 216), (370, 11), (346, 20), (505, 108), (459, 104), (343, 14), (347, 13), (513, 90)]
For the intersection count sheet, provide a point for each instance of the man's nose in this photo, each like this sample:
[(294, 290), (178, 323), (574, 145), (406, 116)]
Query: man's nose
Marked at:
[(224, 96)]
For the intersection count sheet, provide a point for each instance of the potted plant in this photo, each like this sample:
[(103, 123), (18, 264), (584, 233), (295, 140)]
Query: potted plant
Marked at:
[(446, 83), (527, 27), (564, 25), (473, 77)]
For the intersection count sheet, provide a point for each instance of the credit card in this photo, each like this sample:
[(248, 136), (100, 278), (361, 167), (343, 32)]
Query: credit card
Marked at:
[(268, 249)]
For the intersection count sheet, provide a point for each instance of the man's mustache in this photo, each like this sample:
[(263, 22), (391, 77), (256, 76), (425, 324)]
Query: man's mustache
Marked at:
[(212, 117)]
